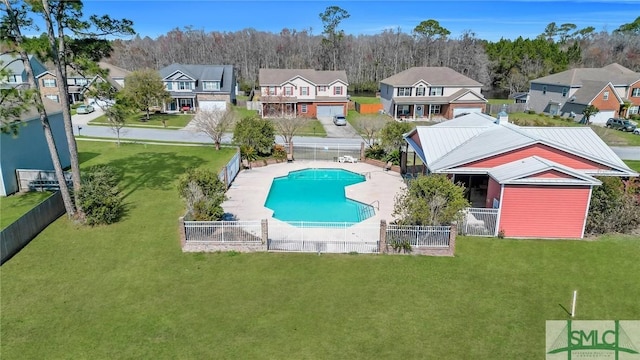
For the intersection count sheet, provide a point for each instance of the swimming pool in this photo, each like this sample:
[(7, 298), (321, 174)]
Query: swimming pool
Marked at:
[(316, 195)]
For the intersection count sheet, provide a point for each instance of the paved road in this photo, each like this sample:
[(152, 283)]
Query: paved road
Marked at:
[(350, 140)]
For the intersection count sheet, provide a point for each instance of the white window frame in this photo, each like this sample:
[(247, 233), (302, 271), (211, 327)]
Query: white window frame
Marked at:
[(303, 108), (13, 79), (605, 95), (436, 91), (288, 90), (565, 92), (322, 88), (404, 91), (635, 92), (272, 90), (304, 91), (633, 110), (48, 83), (421, 90), (211, 85), (403, 110), (55, 98), (184, 85), (337, 90), (435, 109)]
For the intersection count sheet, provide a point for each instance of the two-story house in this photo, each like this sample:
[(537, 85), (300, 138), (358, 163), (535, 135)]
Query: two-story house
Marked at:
[(303, 93), (194, 87), (435, 93), (16, 74), (569, 92)]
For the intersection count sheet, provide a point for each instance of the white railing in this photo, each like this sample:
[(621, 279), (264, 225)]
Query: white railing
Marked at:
[(419, 236), (204, 232), (324, 152), (479, 222), (329, 237), (40, 180)]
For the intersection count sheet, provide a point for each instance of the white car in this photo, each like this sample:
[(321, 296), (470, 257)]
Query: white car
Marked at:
[(84, 109), (636, 131)]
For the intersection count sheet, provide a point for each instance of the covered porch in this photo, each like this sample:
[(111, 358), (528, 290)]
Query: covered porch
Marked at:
[(180, 104), (281, 110), (404, 111)]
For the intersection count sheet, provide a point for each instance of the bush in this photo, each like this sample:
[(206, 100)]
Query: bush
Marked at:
[(279, 152), (375, 152), (393, 156), (203, 194), (612, 209), (100, 197)]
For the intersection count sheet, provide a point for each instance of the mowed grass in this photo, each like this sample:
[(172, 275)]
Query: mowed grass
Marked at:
[(174, 121), (14, 206), (365, 99), (127, 290)]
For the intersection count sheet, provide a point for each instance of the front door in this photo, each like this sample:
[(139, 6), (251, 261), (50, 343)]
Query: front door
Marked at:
[(419, 111)]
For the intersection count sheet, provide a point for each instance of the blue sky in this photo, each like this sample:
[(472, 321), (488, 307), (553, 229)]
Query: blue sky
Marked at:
[(490, 20)]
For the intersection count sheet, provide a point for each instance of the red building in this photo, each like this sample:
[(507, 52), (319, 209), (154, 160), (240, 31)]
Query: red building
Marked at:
[(539, 178)]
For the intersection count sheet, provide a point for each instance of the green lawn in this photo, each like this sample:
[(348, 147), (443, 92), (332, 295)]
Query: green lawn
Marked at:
[(174, 121), (365, 99), (127, 290), (242, 112), (501, 101), (634, 164), (14, 206)]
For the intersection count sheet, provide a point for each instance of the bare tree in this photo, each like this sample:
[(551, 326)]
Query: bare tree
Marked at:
[(369, 128), (288, 127), (116, 116), (213, 123)]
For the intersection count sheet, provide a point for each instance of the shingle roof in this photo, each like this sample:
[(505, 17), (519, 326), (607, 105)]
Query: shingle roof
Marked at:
[(453, 98), (276, 77), (473, 137), (222, 73), (114, 71), (14, 66), (614, 73), (435, 76)]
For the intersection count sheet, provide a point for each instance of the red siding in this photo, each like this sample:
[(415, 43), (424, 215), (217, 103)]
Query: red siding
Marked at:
[(612, 102), (540, 150), (416, 139), (544, 211), (493, 191), (552, 174)]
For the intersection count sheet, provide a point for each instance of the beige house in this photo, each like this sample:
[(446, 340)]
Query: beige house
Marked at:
[(435, 93), (303, 92)]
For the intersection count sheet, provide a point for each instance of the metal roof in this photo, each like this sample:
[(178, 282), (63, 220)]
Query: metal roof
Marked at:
[(521, 172)]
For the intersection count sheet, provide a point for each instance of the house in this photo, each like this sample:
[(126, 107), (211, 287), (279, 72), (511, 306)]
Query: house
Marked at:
[(570, 92), (303, 92), (17, 75), (434, 93), (520, 97), (195, 87), (28, 149), (538, 178)]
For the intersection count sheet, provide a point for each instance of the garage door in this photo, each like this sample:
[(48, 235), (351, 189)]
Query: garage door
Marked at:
[(327, 111), (462, 111), (213, 105), (601, 117)]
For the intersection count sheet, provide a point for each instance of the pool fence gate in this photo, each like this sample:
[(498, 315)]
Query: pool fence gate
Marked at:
[(315, 237)]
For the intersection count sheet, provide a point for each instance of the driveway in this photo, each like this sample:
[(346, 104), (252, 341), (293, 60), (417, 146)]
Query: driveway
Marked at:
[(83, 119), (334, 131)]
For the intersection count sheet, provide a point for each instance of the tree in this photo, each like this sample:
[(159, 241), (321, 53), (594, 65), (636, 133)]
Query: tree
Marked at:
[(145, 89), (427, 32), (331, 19), (369, 128), (255, 133), (11, 36), (430, 200), (631, 28), (14, 101), (288, 127), (391, 134), (100, 196), (612, 209), (214, 123), (587, 113), (203, 193), (116, 116)]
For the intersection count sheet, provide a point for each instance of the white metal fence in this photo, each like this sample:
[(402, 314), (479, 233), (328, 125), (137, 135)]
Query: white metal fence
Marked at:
[(205, 232), (326, 152), (419, 236), (40, 180), (230, 171), (479, 222), (324, 237)]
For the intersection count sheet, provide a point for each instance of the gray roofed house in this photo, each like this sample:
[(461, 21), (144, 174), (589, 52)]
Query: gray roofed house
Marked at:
[(194, 87), (435, 93), (302, 93), (17, 76), (570, 92), (530, 176)]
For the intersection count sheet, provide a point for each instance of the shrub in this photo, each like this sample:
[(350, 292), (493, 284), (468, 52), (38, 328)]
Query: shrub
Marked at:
[(393, 156), (203, 194), (532, 112), (612, 209), (279, 152), (375, 152), (100, 197)]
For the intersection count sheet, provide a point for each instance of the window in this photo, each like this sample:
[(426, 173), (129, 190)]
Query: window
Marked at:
[(49, 83), (434, 109), (565, 91), (635, 92), (605, 96), (322, 88), (184, 85), (210, 85), (403, 110), (633, 110), (14, 78), (436, 91), (420, 91), (303, 108), (169, 85), (544, 90), (304, 90), (404, 91), (288, 90), (53, 97), (272, 90), (337, 90), (82, 81)]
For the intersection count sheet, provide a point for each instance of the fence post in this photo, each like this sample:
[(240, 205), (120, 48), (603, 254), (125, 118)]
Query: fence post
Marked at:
[(226, 177), (452, 239), (362, 151), (265, 232), (382, 244), (183, 232)]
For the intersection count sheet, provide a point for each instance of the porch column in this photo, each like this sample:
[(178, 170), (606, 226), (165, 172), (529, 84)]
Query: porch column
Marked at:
[(395, 111), (413, 115)]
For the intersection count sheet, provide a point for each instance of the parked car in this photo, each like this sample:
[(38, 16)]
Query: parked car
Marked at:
[(636, 131), (339, 120), (84, 109), (620, 124)]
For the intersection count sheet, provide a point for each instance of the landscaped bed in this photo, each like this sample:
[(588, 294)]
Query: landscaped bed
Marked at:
[(127, 290)]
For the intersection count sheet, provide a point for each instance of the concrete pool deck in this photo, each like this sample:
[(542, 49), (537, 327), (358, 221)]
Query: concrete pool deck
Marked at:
[(249, 191)]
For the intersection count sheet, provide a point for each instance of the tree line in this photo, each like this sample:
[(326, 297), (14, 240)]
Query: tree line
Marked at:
[(504, 66)]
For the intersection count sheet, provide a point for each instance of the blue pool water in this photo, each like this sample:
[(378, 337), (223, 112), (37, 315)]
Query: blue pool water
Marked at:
[(316, 195)]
